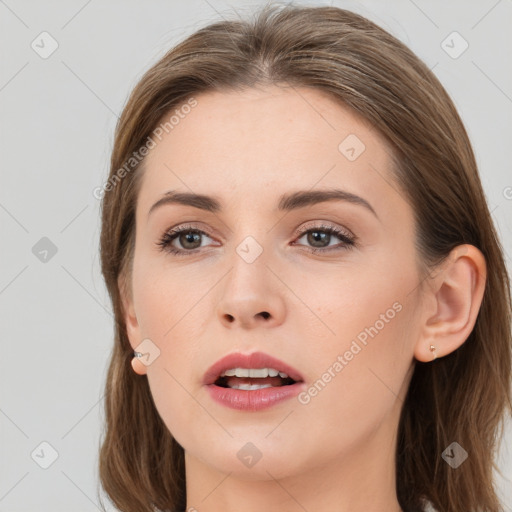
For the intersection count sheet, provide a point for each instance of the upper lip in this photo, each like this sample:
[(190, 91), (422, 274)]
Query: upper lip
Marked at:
[(253, 360)]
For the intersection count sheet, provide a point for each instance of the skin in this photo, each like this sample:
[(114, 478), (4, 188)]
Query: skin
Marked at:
[(337, 451)]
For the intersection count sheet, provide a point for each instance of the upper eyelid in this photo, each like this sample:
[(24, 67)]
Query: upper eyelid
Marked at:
[(323, 224)]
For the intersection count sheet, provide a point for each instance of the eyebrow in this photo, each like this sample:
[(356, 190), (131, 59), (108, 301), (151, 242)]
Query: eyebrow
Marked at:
[(287, 202)]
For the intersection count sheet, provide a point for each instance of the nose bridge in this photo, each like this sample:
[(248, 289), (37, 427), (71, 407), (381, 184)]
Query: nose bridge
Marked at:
[(249, 273), (251, 241), (248, 263)]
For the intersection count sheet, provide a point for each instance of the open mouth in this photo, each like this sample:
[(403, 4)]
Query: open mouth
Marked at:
[(248, 372), (253, 378), (252, 382)]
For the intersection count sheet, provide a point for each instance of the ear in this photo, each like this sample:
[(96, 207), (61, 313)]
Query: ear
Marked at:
[(131, 322), (452, 303)]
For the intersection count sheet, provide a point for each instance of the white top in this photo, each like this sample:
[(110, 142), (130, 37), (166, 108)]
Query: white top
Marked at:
[(429, 507)]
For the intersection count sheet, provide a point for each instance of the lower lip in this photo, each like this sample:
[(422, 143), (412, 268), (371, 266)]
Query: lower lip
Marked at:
[(256, 399)]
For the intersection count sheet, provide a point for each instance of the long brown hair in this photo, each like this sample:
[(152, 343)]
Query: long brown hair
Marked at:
[(461, 397)]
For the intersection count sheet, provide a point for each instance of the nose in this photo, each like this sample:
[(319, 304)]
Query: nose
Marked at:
[(252, 296)]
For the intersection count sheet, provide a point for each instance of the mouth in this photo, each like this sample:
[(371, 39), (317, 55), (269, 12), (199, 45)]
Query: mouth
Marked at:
[(251, 372), (250, 379), (252, 382)]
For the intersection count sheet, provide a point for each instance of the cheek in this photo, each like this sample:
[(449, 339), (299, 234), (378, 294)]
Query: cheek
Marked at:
[(163, 296), (363, 304), (357, 384), (366, 348), (168, 307), (181, 414)]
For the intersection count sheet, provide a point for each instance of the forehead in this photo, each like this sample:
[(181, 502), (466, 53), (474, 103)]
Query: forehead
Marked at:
[(240, 145)]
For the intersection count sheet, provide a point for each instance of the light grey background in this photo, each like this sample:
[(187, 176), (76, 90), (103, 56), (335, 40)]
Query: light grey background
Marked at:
[(57, 121)]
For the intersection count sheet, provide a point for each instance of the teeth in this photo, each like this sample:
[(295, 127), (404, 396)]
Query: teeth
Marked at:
[(250, 387), (253, 373), (261, 374)]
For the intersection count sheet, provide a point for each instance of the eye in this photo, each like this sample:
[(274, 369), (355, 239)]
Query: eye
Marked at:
[(320, 236), (188, 236)]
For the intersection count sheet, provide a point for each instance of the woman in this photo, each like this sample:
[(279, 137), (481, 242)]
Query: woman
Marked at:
[(312, 305)]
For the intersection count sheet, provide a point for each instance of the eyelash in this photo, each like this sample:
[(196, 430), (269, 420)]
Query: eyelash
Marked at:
[(164, 243)]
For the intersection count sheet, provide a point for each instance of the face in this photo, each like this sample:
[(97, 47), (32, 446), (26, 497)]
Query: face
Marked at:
[(327, 287)]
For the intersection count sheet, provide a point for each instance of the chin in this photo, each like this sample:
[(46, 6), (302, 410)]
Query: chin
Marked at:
[(259, 459)]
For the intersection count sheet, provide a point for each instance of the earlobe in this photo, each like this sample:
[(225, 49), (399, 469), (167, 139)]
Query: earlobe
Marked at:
[(138, 366), (456, 294)]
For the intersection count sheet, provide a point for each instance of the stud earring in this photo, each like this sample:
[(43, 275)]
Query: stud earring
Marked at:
[(136, 365), (433, 350)]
